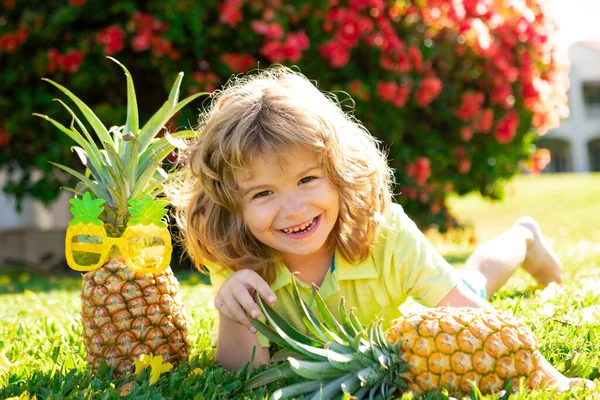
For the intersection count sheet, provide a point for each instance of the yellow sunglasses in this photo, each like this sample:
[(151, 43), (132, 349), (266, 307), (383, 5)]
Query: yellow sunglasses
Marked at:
[(145, 248)]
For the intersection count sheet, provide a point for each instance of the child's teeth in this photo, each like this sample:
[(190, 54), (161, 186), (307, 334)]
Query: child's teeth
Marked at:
[(300, 228)]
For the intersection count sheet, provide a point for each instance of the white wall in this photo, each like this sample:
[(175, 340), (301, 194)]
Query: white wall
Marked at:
[(580, 128)]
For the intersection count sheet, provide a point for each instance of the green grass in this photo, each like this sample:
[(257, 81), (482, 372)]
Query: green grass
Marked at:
[(40, 327)]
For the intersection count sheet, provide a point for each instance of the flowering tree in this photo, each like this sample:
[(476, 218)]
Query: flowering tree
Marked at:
[(457, 90)]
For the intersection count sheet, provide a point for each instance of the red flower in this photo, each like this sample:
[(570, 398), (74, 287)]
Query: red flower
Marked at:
[(410, 192), (393, 93), (349, 30), (466, 133), (237, 62), (470, 105), (506, 128), (207, 80), (420, 169), (464, 166), (229, 12), (54, 60), (3, 137), (430, 88), (270, 31), (77, 3), (484, 121), (336, 53), (112, 39), (273, 51), (416, 57), (161, 46), (71, 61), (142, 41), (143, 20), (387, 90), (538, 161), (502, 96), (402, 95), (10, 41), (294, 45)]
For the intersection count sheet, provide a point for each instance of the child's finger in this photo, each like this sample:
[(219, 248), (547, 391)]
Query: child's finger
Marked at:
[(247, 303), (238, 313), (264, 290)]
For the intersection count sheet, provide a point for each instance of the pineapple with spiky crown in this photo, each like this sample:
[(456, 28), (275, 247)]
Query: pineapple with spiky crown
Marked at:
[(130, 298), (457, 349)]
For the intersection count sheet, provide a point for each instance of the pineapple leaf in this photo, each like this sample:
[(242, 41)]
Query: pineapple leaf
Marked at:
[(271, 375), (293, 338), (93, 186), (345, 319), (91, 169), (165, 113), (148, 211), (129, 151), (93, 151), (144, 179), (86, 210), (313, 369), (333, 387), (268, 332), (94, 121), (283, 354), (310, 319), (116, 169), (72, 190), (76, 136), (293, 391), (159, 149), (278, 322)]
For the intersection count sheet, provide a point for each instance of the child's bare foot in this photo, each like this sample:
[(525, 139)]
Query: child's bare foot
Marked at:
[(541, 261)]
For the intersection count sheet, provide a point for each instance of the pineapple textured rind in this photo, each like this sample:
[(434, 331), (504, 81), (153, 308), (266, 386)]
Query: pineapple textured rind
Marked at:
[(126, 314), (458, 347)]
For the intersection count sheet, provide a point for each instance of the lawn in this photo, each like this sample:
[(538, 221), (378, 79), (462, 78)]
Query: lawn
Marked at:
[(40, 331)]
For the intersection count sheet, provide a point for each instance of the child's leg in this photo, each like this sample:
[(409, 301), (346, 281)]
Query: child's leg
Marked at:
[(524, 245)]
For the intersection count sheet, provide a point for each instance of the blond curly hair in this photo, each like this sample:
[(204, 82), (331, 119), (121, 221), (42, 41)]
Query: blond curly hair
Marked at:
[(268, 112)]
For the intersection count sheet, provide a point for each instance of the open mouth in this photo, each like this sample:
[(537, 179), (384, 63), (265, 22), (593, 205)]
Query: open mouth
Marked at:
[(302, 229)]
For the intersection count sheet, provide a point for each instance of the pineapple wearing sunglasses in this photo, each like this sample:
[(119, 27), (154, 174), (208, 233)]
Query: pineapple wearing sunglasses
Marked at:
[(130, 297)]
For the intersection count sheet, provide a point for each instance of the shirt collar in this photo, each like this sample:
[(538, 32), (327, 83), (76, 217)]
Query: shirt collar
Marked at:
[(343, 271)]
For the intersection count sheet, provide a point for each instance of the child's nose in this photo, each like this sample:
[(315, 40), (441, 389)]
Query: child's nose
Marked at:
[(293, 206)]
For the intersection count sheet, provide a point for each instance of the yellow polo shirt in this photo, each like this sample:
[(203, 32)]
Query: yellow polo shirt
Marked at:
[(402, 263)]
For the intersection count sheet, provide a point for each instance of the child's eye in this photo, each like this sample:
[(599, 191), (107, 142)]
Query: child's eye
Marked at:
[(307, 179), (261, 194)]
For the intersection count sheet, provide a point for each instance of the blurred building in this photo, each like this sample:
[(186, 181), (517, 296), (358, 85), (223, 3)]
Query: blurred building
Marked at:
[(575, 145)]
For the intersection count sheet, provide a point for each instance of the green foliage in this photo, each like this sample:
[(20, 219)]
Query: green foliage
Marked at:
[(86, 210), (456, 95)]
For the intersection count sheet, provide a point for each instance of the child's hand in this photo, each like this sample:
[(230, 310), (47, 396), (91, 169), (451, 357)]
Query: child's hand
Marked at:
[(235, 299)]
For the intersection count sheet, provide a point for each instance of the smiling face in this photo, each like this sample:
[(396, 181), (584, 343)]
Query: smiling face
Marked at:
[(291, 208)]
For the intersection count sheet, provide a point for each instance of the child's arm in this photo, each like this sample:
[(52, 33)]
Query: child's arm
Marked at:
[(235, 345), (237, 336), (462, 296)]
